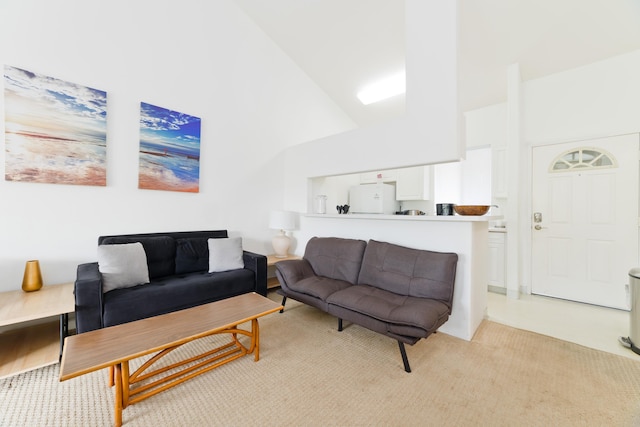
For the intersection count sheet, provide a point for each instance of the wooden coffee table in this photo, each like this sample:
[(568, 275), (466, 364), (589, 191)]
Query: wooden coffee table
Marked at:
[(115, 346)]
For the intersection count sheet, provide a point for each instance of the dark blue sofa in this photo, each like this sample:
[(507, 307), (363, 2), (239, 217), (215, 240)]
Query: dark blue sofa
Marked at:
[(179, 279)]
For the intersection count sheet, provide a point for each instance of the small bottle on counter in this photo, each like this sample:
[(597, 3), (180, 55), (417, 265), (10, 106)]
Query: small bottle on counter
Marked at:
[(321, 204)]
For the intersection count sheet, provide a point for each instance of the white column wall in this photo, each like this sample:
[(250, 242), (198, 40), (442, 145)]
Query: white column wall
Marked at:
[(514, 169), (430, 131)]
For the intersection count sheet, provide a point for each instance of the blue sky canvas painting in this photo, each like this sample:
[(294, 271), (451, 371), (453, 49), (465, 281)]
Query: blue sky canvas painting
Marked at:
[(169, 150), (55, 131)]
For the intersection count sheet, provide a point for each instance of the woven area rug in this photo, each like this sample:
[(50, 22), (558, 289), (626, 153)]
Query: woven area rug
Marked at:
[(310, 374)]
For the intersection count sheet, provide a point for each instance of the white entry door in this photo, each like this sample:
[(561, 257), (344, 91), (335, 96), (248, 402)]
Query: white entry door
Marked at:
[(585, 219)]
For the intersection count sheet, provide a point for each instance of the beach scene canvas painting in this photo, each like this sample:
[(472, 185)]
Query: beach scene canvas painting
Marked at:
[(55, 131), (169, 150)]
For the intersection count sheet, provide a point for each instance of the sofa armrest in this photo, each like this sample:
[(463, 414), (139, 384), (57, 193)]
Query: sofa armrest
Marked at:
[(292, 271), (88, 297), (258, 264)]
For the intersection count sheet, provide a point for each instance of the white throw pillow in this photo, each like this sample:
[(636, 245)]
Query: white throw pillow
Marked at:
[(122, 266), (225, 254)]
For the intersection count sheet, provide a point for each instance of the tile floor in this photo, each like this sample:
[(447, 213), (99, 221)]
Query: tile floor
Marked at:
[(584, 324)]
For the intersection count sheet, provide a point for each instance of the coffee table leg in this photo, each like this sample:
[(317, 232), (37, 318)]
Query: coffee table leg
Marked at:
[(64, 331), (111, 376), (125, 384), (118, 395), (256, 337)]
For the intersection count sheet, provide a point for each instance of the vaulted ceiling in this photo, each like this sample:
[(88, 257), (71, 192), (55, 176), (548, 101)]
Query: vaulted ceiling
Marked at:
[(345, 44)]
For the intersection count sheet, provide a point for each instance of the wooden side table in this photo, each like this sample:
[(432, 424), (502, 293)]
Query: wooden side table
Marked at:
[(272, 260), (32, 346)]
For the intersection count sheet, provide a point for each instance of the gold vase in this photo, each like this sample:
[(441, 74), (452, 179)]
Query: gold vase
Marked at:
[(32, 280)]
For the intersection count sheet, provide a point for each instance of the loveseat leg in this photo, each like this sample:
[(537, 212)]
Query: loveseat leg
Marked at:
[(284, 300), (339, 325), (403, 352)]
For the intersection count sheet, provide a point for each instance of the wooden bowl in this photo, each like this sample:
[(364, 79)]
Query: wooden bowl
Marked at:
[(471, 209)]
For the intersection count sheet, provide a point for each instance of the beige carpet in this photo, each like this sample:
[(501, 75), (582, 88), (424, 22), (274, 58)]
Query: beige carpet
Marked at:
[(310, 374)]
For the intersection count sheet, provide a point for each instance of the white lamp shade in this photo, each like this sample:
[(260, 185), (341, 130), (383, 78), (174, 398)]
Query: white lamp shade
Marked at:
[(282, 220)]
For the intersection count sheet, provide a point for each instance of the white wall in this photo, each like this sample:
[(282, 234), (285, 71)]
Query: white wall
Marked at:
[(336, 189), (205, 59), (596, 100), (447, 183), (486, 126), (476, 177), (429, 133)]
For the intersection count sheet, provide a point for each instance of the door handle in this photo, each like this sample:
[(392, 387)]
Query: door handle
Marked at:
[(538, 227)]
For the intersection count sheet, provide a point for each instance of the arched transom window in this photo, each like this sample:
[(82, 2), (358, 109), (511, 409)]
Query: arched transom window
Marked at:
[(583, 158)]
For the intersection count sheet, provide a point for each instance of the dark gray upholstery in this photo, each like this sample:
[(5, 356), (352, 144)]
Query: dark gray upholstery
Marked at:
[(422, 315), (400, 292), (412, 272), (172, 293), (319, 286), (335, 258), (178, 269), (329, 264)]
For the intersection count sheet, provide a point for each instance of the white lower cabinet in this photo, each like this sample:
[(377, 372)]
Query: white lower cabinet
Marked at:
[(497, 269)]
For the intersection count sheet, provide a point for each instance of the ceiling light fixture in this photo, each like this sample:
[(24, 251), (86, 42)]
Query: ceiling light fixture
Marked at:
[(383, 89)]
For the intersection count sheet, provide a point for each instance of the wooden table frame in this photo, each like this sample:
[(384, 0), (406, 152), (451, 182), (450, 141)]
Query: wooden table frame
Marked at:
[(28, 338), (272, 260), (85, 352)]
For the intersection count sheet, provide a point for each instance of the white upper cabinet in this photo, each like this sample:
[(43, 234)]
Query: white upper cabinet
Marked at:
[(413, 183)]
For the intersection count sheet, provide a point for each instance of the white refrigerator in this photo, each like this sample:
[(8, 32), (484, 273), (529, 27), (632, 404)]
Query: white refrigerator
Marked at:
[(373, 199)]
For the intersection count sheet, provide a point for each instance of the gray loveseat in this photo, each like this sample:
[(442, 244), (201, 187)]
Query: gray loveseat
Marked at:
[(400, 292), (178, 278)]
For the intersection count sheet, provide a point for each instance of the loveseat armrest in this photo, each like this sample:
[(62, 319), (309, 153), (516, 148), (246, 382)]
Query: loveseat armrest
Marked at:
[(88, 298), (292, 271), (258, 264)]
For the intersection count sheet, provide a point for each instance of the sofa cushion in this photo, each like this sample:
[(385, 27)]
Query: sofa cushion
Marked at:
[(192, 255), (411, 272), (335, 258), (401, 312), (122, 266), (318, 286), (171, 293), (160, 250), (225, 254)]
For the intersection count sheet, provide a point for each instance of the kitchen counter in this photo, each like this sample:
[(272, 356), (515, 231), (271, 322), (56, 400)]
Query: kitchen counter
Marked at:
[(447, 218)]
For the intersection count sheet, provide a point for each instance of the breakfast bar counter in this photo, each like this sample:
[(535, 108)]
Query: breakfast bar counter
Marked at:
[(445, 218), (465, 235)]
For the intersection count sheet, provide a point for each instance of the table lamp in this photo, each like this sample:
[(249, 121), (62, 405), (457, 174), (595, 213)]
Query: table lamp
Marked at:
[(283, 221)]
